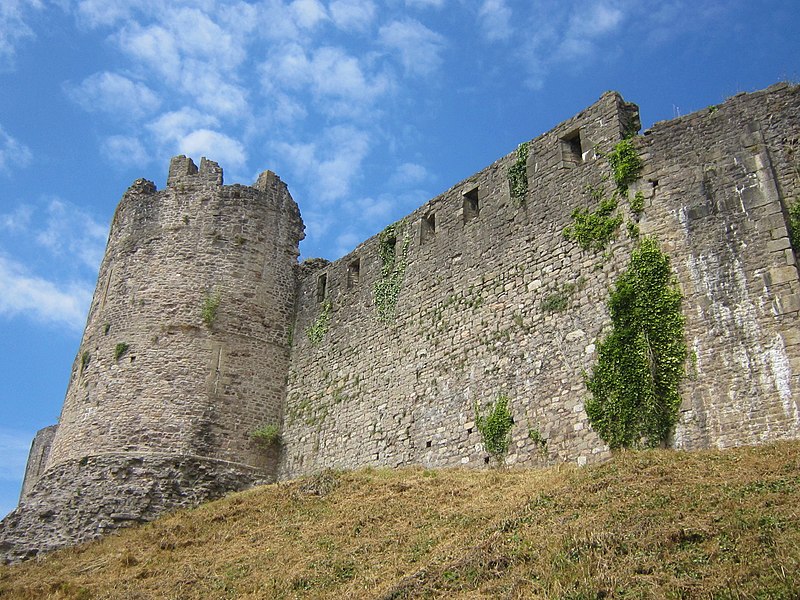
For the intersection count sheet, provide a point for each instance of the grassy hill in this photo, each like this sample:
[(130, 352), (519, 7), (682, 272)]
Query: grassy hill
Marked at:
[(658, 524)]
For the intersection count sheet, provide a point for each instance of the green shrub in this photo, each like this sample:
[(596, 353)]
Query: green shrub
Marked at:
[(120, 349), (267, 435), (794, 225), (209, 309), (495, 428), (593, 230)]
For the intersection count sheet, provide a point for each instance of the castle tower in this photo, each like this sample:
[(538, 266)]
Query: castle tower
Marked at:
[(184, 355)]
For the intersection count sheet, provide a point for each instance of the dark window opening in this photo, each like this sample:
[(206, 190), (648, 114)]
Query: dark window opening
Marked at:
[(427, 228), (322, 287), (428, 444), (486, 460), (571, 149), (469, 431), (471, 207), (353, 273)]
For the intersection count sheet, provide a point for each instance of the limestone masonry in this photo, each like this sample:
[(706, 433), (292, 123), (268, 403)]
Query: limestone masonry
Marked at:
[(204, 328)]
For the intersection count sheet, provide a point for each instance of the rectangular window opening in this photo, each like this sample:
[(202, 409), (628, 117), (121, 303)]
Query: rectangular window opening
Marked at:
[(322, 287), (571, 149), (471, 208), (353, 273), (427, 228)]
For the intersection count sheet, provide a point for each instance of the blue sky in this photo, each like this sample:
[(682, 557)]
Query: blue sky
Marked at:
[(365, 108)]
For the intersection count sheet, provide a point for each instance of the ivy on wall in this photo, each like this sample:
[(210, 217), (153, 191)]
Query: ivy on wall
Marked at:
[(594, 229), (518, 174), (794, 225), (317, 330), (625, 164), (634, 384), (393, 267)]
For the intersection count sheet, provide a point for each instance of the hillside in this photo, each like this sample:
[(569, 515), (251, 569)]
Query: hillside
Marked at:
[(656, 524)]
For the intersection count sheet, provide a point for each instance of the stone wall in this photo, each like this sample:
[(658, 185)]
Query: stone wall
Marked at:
[(499, 301)]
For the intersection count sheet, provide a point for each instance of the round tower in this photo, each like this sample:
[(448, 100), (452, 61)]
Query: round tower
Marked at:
[(184, 356), (186, 346)]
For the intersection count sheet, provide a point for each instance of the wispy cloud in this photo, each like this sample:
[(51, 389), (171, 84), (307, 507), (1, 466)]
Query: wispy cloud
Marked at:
[(425, 3), (125, 150), (12, 153), (419, 49), (40, 299), (215, 145), (14, 28), (71, 231), (353, 15), (494, 17), (114, 94)]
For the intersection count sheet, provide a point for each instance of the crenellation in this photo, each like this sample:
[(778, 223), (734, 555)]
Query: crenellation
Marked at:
[(204, 326)]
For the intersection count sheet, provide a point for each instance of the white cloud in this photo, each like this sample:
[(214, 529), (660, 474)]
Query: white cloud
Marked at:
[(330, 165), (418, 47), (154, 46), (353, 15), (337, 79), (40, 299), (125, 150), (495, 20), (71, 231), (213, 93), (585, 28), (115, 95), (308, 13), (228, 152), (175, 125), (96, 13), (14, 28), (408, 174), (345, 242), (17, 220), (425, 3), (12, 153)]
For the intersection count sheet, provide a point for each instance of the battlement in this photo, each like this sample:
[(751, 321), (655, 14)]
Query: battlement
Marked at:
[(183, 171)]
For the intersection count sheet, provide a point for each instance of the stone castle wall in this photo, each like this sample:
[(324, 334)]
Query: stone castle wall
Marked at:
[(475, 315), (493, 300)]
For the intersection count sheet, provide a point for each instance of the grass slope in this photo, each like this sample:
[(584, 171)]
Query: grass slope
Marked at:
[(655, 524)]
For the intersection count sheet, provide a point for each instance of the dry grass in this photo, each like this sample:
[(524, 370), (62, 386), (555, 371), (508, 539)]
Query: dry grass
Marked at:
[(657, 524)]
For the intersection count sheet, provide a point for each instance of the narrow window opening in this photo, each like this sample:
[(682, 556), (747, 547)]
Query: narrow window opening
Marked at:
[(322, 287), (469, 431), (427, 228), (353, 273), (486, 460), (571, 149), (471, 207), (428, 444)]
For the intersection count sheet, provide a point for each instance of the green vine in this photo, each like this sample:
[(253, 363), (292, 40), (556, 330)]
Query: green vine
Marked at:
[(85, 358), (495, 428), (794, 225), (634, 384), (317, 330), (518, 174), (593, 230), (208, 310), (625, 164), (393, 268)]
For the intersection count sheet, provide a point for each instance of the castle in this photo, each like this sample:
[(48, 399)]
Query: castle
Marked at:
[(204, 328)]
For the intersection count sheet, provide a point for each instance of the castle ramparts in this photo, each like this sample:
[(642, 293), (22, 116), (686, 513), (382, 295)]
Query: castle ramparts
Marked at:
[(204, 328)]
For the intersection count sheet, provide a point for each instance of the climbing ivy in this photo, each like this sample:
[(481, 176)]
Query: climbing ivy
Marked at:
[(625, 164), (495, 428), (794, 225), (393, 267), (317, 330), (634, 384), (518, 174), (209, 308), (594, 229)]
